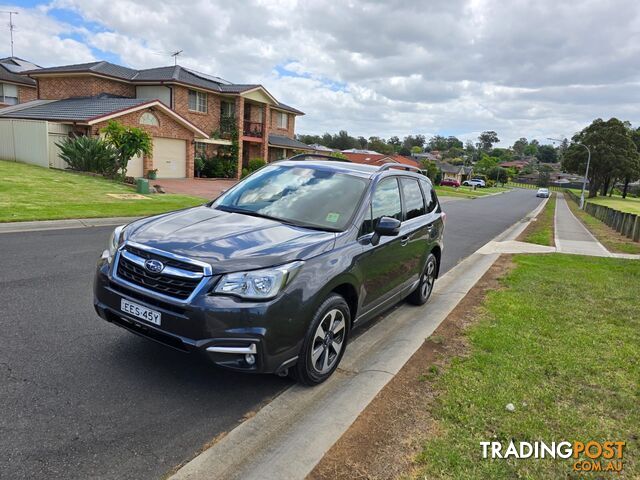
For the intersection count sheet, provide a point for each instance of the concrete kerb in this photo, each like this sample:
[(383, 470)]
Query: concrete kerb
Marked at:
[(42, 225), (290, 435)]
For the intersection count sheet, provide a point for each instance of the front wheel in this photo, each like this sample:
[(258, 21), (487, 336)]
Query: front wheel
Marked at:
[(428, 278), (325, 342)]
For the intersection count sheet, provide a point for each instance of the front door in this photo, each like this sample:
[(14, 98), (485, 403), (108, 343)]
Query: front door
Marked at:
[(382, 265)]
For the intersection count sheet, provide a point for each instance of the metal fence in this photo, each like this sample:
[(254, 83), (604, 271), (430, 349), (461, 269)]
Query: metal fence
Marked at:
[(32, 141), (626, 224)]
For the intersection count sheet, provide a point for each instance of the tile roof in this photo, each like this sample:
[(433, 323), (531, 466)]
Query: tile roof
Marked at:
[(281, 141), (175, 73), (71, 109), (11, 68)]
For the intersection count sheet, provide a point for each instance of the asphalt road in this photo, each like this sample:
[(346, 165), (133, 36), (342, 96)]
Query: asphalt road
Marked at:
[(81, 398)]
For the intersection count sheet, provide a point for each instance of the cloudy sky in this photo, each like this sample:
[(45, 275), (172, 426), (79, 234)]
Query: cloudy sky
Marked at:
[(448, 67)]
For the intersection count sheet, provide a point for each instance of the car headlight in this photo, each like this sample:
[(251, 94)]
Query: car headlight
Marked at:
[(116, 239), (258, 284)]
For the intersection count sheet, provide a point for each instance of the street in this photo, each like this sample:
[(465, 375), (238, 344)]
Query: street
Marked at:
[(82, 398)]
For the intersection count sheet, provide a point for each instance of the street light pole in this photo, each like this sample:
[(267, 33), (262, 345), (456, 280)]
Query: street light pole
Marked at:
[(586, 173)]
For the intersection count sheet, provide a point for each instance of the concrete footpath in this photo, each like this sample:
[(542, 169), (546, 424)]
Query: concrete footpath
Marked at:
[(571, 236), (290, 435)]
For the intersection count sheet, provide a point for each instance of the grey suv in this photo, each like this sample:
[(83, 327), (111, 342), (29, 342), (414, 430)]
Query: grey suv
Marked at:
[(273, 275)]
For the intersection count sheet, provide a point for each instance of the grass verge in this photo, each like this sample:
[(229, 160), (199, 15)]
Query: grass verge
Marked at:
[(541, 232), (468, 192), (612, 240), (560, 341), (28, 192)]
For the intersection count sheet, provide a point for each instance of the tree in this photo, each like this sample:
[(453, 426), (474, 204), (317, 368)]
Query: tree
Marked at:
[(416, 149), (547, 154), (379, 145), (531, 150), (128, 143), (485, 164), (499, 174), (438, 142), (394, 141), (471, 154), (611, 148), (343, 141), (487, 139), (432, 171), (519, 146), (362, 142), (339, 156)]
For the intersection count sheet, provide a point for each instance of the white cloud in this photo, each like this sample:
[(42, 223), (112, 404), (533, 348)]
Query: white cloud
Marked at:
[(522, 68)]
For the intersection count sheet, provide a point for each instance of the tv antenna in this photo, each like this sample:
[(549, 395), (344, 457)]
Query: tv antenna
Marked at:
[(12, 26), (175, 56)]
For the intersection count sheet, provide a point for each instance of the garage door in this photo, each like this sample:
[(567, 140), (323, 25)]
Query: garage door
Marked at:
[(134, 167), (170, 157)]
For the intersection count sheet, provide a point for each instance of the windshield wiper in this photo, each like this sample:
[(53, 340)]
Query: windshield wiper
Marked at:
[(294, 223)]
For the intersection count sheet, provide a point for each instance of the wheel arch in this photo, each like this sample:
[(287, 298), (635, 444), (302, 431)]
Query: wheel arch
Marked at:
[(437, 252)]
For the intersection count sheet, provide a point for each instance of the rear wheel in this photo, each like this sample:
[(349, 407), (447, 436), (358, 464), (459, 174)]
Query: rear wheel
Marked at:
[(427, 280), (325, 342)]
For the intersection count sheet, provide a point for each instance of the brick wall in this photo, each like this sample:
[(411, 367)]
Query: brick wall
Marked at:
[(286, 132), (207, 122), (55, 88), (168, 128), (27, 94)]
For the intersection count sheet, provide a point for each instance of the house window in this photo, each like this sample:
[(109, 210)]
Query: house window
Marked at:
[(197, 101), (8, 94), (148, 118), (282, 120), (227, 109)]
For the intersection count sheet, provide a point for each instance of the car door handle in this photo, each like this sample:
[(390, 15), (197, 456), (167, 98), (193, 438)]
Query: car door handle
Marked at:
[(404, 240)]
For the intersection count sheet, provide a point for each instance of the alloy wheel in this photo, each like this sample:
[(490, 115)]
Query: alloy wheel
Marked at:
[(328, 341)]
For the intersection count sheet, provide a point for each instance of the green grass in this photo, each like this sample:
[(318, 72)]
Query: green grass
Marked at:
[(532, 187), (612, 240), (628, 205), (468, 192), (561, 342), (540, 232), (28, 192)]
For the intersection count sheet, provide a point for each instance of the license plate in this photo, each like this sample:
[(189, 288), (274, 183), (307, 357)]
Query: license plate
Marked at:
[(139, 311)]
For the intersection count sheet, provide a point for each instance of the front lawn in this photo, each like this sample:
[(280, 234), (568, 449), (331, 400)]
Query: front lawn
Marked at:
[(628, 205), (28, 192), (468, 192), (560, 342)]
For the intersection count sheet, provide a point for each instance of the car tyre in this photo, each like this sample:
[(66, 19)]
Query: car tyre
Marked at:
[(427, 280), (324, 343)]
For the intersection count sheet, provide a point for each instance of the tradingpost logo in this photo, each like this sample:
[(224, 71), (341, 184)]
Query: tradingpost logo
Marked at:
[(590, 456)]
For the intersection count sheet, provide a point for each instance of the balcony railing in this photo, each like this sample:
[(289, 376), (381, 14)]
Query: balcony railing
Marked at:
[(252, 129)]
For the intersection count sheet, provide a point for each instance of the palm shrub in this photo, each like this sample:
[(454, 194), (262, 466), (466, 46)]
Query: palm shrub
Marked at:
[(88, 154)]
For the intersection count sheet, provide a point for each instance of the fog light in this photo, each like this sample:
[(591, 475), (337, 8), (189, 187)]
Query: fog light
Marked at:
[(250, 359)]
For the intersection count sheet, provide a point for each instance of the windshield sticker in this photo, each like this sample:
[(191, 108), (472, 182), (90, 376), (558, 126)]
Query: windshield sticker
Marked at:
[(332, 217)]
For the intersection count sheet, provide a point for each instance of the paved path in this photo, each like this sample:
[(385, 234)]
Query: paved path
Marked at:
[(572, 236), (84, 399)]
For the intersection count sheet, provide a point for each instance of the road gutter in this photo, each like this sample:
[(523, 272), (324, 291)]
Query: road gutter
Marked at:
[(290, 435)]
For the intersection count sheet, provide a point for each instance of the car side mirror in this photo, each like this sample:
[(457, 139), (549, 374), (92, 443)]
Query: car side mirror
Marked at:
[(386, 227)]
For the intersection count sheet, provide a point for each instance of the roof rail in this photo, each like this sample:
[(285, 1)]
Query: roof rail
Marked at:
[(301, 156), (388, 166)]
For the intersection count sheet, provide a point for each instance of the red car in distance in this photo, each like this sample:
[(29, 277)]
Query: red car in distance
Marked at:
[(449, 182)]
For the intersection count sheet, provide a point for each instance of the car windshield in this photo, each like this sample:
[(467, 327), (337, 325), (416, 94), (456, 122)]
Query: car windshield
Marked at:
[(303, 196)]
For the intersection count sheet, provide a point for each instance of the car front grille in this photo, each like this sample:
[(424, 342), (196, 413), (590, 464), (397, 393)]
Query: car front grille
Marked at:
[(178, 279)]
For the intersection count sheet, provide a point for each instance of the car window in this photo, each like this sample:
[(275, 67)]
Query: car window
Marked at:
[(301, 195), (413, 200), (385, 202), (429, 195)]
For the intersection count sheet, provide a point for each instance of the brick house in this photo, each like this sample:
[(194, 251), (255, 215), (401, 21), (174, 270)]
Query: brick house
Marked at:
[(14, 87), (188, 113), (378, 158)]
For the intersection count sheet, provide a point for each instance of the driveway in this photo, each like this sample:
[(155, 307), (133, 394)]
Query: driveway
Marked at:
[(84, 399), (198, 187)]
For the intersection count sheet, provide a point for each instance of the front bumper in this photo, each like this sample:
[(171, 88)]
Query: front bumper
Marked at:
[(223, 328)]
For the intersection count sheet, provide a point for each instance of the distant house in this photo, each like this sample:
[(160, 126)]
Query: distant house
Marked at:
[(425, 156), (16, 88), (321, 148), (454, 172), (379, 159), (517, 164), (362, 151)]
